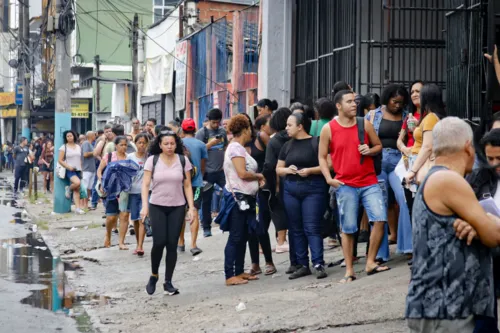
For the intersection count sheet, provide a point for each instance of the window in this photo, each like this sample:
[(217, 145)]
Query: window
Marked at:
[(161, 8)]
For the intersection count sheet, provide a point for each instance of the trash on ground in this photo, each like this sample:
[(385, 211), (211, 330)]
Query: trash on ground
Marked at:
[(196, 258), (73, 229), (241, 307)]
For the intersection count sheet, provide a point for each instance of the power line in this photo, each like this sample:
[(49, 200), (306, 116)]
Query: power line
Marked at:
[(97, 28)]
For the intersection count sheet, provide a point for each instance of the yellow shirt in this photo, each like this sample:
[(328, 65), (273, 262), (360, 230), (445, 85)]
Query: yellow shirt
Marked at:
[(427, 124)]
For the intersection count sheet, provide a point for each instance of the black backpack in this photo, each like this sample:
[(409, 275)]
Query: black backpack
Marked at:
[(377, 159)]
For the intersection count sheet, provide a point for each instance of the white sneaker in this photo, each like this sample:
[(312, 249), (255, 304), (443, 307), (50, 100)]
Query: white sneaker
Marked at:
[(79, 211), (67, 192)]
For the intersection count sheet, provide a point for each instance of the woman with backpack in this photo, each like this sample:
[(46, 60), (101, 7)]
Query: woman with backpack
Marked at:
[(168, 173), (304, 194), (112, 204)]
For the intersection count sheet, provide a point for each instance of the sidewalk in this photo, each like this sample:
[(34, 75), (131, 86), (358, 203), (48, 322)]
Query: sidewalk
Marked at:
[(205, 304)]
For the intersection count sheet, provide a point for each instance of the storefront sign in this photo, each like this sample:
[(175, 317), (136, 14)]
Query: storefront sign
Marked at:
[(9, 113), (19, 94), (79, 108), (180, 75), (7, 98)]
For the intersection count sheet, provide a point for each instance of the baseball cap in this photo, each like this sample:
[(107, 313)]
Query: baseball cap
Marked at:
[(188, 125)]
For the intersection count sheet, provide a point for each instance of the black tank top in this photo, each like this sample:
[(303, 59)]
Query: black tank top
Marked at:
[(258, 155), (389, 132)]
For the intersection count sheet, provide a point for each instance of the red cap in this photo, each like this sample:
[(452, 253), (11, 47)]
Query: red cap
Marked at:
[(188, 125)]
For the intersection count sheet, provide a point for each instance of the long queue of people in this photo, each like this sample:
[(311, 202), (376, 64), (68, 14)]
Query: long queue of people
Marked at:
[(390, 168)]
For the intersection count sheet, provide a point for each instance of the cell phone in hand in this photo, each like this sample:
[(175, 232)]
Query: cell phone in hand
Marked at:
[(218, 136)]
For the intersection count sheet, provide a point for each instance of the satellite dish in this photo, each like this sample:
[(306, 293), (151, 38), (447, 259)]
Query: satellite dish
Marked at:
[(13, 63)]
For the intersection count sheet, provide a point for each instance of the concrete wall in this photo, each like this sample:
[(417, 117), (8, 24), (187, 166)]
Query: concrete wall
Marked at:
[(275, 65)]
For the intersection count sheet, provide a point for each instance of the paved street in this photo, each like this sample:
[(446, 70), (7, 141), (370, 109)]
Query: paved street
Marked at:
[(107, 288), (109, 285)]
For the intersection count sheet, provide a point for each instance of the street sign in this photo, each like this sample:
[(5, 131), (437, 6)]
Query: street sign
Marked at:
[(19, 94)]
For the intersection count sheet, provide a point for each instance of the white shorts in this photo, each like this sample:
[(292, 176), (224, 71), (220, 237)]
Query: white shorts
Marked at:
[(88, 179)]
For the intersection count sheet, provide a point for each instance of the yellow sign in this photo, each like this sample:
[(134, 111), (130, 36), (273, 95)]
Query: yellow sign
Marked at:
[(7, 98), (79, 108), (9, 113)]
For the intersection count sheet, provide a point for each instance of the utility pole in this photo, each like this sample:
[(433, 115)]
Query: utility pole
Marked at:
[(26, 114), (20, 74), (97, 62), (140, 72), (63, 102), (135, 60)]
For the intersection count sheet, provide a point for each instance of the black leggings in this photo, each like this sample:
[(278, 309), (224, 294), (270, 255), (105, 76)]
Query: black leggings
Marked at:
[(264, 241), (166, 223)]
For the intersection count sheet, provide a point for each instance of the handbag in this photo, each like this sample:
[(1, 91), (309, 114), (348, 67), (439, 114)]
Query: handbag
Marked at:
[(60, 170)]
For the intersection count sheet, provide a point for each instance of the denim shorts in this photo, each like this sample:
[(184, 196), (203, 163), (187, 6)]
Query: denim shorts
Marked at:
[(70, 174), (135, 206), (112, 207), (349, 200)]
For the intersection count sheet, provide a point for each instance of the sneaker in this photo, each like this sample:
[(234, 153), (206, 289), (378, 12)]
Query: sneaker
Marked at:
[(131, 230), (291, 269), (181, 248), (207, 233), (195, 251), (151, 286), (79, 211), (282, 248), (67, 192), (169, 289), (115, 231), (300, 272), (320, 272)]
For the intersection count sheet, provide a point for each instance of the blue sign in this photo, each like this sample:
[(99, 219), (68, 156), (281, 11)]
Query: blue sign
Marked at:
[(19, 94)]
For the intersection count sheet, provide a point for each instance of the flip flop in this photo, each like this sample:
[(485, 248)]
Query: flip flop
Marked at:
[(346, 279), (376, 270), (255, 272), (140, 253), (270, 270), (235, 281), (246, 276)]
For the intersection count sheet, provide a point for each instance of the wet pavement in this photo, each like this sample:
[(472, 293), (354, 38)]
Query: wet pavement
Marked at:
[(32, 279)]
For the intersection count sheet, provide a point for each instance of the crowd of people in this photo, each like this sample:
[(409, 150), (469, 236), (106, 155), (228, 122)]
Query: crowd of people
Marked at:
[(388, 169)]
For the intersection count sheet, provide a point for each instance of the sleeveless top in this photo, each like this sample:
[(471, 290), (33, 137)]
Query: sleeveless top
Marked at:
[(449, 279), (346, 159)]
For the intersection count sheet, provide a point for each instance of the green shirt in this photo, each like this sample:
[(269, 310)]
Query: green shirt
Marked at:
[(317, 126)]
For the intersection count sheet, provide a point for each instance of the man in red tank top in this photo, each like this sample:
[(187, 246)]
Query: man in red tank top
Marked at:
[(355, 179)]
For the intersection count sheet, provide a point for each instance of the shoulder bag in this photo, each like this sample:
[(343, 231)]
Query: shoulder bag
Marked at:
[(60, 170)]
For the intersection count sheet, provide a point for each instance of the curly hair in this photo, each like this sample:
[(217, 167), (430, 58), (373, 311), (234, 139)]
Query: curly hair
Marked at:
[(155, 149), (65, 140), (238, 124)]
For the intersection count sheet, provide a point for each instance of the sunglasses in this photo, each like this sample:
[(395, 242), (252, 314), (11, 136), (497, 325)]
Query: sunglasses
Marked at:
[(167, 132)]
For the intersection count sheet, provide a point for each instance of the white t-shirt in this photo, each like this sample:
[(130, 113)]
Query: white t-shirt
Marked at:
[(73, 156), (233, 181)]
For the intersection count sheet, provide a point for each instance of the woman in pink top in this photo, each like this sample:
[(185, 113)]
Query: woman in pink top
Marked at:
[(171, 187), (112, 207)]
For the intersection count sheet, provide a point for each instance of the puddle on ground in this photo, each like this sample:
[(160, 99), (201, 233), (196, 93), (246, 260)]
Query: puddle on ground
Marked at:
[(28, 260)]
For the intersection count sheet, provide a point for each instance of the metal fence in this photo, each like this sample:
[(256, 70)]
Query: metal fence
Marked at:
[(371, 43)]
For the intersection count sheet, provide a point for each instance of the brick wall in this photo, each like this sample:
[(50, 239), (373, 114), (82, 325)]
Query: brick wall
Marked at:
[(217, 10)]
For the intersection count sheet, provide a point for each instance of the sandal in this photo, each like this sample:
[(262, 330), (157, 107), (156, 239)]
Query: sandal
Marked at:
[(255, 272), (377, 269), (347, 278), (140, 253), (270, 270), (248, 277), (235, 281)]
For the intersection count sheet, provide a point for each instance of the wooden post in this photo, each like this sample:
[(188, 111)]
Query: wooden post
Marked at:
[(29, 182)]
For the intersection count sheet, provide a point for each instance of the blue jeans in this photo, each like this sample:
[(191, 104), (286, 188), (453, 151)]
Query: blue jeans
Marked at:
[(388, 177), (95, 196), (234, 253), (305, 205), (206, 206), (216, 198)]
